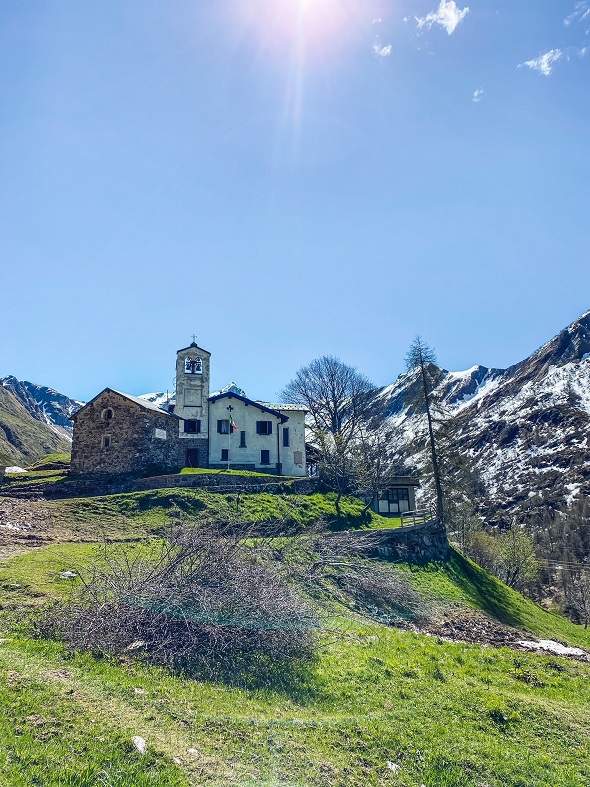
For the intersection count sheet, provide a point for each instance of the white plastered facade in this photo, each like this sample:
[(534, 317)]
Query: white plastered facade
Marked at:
[(284, 439)]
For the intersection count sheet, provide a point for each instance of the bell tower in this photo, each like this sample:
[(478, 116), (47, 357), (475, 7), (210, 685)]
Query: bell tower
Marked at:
[(192, 403)]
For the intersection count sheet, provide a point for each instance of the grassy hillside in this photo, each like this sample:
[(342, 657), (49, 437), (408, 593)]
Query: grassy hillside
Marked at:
[(59, 461), (135, 515), (379, 706), (23, 439)]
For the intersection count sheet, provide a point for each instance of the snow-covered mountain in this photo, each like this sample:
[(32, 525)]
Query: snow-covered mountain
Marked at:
[(44, 404), (525, 428), (160, 398), (163, 399)]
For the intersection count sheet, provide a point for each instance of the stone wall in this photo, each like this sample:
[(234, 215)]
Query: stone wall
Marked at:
[(225, 482), (417, 543), (216, 482), (138, 438)]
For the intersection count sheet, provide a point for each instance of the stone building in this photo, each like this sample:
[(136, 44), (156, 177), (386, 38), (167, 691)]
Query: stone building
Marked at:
[(116, 433)]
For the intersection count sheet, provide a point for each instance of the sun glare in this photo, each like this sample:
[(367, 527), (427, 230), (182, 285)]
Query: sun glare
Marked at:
[(316, 28)]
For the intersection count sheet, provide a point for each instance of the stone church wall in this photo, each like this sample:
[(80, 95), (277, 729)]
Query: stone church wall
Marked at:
[(134, 439)]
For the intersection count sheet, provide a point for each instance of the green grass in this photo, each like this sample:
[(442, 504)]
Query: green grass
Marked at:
[(447, 714), (34, 576), (136, 514), (52, 459), (247, 473), (461, 580), (35, 477)]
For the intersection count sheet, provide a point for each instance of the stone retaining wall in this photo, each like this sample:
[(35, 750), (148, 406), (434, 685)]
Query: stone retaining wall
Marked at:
[(214, 482), (417, 543)]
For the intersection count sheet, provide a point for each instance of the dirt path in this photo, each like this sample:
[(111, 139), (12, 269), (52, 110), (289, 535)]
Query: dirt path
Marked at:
[(24, 524), (463, 624)]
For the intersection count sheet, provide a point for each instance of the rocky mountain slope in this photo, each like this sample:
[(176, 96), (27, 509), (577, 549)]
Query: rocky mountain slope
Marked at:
[(526, 429), (23, 438), (44, 404)]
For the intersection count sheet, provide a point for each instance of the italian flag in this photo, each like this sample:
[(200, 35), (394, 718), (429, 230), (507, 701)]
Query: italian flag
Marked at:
[(232, 423)]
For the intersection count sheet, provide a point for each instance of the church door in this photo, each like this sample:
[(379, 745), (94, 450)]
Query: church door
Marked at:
[(192, 457)]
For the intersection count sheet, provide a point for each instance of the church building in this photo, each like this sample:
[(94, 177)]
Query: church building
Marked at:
[(115, 433)]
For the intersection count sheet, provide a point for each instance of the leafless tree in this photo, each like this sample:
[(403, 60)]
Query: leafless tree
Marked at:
[(338, 397), (347, 431)]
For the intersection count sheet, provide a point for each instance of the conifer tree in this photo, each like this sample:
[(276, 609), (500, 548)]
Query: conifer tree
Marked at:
[(422, 358)]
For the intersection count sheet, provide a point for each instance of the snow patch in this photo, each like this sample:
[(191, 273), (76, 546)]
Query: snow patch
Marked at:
[(550, 646), (19, 526)]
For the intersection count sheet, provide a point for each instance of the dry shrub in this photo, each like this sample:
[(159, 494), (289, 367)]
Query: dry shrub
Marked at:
[(383, 592), (227, 600), (202, 600)]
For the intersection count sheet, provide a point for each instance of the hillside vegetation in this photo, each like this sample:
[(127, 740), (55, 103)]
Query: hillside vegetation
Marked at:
[(381, 703), (378, 706), (137, 515), (23, 439)]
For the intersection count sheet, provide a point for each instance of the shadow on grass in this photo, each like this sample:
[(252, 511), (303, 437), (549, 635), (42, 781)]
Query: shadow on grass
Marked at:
[(296, 680), (485, 591)]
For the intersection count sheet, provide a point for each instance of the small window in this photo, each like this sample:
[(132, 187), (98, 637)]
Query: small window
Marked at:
[(224, 454), (286, 436), (105, 441), (265, 457), (170, 408), (242, 439), (107, 414), (223, 426), (264, 427), (192, 427), (399, 500)]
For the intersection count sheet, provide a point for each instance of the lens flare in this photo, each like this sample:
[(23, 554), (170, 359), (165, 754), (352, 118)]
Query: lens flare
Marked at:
[(315, 28)]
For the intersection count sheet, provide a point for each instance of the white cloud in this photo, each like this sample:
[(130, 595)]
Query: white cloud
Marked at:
[(544, 63), (583, 51), (477, 94), (381, 51), (447, 15), (581, 11), (377, 21)]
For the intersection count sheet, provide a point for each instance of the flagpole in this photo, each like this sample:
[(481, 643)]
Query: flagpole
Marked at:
[(229, 431)]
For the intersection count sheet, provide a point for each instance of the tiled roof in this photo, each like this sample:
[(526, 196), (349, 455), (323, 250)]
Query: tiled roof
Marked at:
[(298, 407)]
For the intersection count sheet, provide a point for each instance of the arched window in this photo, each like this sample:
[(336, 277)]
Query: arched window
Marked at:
[(107, 414), (193, 366)]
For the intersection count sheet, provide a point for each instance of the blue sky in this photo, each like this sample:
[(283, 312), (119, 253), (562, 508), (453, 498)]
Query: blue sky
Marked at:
[(286, 179)]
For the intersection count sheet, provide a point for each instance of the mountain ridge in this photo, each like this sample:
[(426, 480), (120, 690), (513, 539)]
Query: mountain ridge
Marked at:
[(525, 428)]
